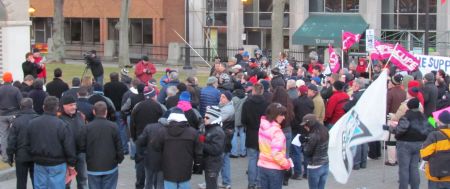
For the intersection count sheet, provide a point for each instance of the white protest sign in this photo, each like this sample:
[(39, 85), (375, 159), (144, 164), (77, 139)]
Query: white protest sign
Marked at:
[(370, 40), (433, 63)]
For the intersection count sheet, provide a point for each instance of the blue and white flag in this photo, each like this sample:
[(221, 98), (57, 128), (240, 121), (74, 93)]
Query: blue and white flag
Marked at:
[(361, 124)]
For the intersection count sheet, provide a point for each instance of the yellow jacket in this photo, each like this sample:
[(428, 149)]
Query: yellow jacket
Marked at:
[(434, 143)]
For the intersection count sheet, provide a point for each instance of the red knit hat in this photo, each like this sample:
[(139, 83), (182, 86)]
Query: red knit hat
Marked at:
[(303, 89), (413, 83), (7, 77)]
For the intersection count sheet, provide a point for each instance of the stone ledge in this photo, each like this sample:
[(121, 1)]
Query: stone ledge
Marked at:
[(7, 174)]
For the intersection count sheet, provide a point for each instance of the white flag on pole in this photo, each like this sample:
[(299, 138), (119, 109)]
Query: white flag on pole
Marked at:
[(361, 124)]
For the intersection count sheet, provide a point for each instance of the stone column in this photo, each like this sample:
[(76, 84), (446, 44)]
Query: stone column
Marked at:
[(371, 12), (15, 44), (443, 29), (197, 13), (299, 12), (235, 23)]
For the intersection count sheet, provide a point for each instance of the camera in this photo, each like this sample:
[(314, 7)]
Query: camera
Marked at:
[(87, 55)]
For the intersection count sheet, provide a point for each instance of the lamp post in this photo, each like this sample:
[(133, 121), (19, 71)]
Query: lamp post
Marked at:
[(31, 11), (427, 27), (187, 50)]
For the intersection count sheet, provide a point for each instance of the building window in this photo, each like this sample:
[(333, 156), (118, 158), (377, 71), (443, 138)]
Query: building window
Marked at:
[(41, 29), (113, 33), (216, 13), (141, 31), (82, 30), (407, 15), (334, 6), (258, 13)]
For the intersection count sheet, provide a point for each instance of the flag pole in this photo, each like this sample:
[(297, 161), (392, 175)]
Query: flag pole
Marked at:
[(390, 56), (370, 67), (342, 53)]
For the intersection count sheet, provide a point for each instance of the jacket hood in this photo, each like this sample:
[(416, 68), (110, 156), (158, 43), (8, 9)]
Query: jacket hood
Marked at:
[(265, 124), (176, 128), (257, 99)]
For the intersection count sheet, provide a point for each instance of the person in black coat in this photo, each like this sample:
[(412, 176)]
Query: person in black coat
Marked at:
[(153, 172), (430, 94), (38, 95), (115, 90), (76, 82), (95, 64), (29, 67), (145, 112), (83, 104), (277, 79), (98, 95), (100, 141), (17, 140), (27, 85), (57, 86), (181, 148), (252, 110)]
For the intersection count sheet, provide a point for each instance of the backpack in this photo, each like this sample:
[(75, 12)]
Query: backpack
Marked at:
[(439, 163)]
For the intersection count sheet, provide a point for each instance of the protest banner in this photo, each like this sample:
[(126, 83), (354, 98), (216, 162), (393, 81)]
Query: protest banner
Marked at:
[(433, 63)]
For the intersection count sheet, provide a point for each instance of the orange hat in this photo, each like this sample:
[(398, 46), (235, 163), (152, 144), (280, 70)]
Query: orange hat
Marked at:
[(7, 77)]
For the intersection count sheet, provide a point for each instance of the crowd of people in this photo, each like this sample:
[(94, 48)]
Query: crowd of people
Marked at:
[(250, 108)]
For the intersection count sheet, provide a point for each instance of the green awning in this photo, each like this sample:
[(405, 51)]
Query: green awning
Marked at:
[(321, 30)]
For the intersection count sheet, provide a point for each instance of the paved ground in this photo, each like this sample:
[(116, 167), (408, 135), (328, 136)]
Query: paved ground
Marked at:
[(370, 178)]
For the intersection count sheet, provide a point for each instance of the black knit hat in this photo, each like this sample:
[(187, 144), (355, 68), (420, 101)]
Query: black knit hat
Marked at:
[(338, 85), (413, 103), (67, 99)]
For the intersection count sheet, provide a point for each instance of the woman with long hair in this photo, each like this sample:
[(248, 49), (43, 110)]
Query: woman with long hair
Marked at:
[(316, 150), (272, 160), (281, 96)]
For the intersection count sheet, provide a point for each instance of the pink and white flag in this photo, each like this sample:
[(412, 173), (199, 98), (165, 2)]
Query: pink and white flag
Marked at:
[(334, 59), (382, 51), (348, 39), (404, 60)]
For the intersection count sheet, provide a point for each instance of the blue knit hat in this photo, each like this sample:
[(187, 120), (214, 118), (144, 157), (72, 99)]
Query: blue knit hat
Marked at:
[(185, 96)]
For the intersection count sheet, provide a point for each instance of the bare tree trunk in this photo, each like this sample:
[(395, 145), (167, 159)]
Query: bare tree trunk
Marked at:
[(58, 47), (124, 48), (277, 27)]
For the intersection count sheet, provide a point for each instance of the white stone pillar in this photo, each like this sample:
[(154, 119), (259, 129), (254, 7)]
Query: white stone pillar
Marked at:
[(299, 12), (443, 29), (235, 23), (15, 44), (197, 12), (371, 12)]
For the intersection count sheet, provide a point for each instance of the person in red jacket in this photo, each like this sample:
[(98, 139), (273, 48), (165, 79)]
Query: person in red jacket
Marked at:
[(335, 105), (362, 66), (144, 70), (38, 59)]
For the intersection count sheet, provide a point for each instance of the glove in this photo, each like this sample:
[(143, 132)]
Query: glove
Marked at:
[(10, 161), (197, 168)]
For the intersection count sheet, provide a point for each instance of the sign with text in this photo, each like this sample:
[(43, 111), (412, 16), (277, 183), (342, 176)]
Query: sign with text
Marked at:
[(370, 40), (433, 63)]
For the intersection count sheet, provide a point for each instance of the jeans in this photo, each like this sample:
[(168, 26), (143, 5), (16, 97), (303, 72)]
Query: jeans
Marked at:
[(226, 170), (408, 164), (99, 79), (108, 181), (374, 150), (211, 179), (22, 170), (360, 157), (238, 149), (253, 172), (296, 155), (140, 168), (122, 131), (270, 178), (288, 136), (132, 145), (153, 179), (438, 185), (50, 177), (317, 177), (4, 130), (177, 185)]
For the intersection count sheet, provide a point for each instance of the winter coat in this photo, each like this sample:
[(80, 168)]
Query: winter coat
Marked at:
[(114, 90), (272, 146), (436, 144), (73, 92), (75, 124), (152, 157), (412, 127), (17, 137), (315, 150), (95, 64), (252, 110), (163, 94), (293, 93), (50, 141), (100, 140), (97, 97), (278, 81), (38, 96), (353, 100), (56, 87), (237, 104), (145, 112), (209, 96), (227, 113), (30, 68), (213, 148), (402, 110), (319, 107), (85, 108), (335, 107), (302, 106), (180, 147), (144, 77), (430, 96), (395, 96), (9, 99)]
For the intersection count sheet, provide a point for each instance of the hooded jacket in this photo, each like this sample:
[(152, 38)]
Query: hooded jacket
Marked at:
[(180, 147), (316, 150), (302, 106), (213, 147), (145, 112), (75, 123), (252, 110), (436, 144), (335, 107), (272, 146), (152, 157)]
